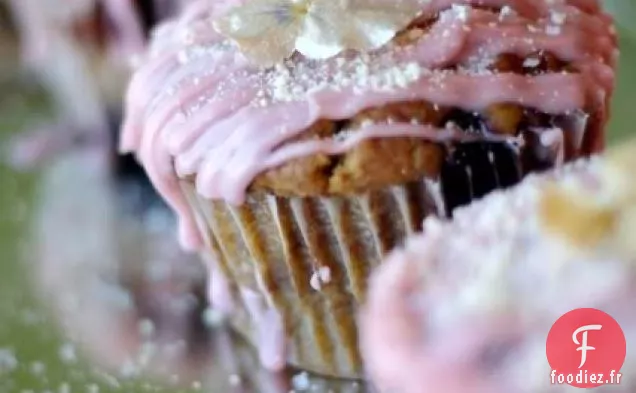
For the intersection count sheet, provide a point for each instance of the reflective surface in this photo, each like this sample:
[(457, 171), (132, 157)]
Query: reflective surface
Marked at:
[(79, 309)]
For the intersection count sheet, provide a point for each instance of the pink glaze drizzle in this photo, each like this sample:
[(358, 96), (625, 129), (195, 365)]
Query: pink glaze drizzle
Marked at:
[(198, 106), (219, 291), (270, 334)]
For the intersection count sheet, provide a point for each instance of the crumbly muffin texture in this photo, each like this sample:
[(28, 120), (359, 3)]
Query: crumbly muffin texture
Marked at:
[(391, 160)]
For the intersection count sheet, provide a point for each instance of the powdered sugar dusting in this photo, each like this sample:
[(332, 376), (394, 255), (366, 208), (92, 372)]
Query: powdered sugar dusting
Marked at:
[(320, 277), (285, 84), (198, 103), (498, 269)]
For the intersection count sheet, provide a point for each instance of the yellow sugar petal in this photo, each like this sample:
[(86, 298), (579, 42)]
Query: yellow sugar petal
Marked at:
[(581, 222), (264, 30)]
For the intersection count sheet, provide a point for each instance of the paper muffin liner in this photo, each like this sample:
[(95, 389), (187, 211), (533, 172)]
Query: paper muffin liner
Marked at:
[(296, 268), (291, 272)]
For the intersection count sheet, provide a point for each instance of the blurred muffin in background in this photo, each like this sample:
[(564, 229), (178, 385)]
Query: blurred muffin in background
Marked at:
[(82, 52), (128, 299), (105, 252), (299, 150), (466, 306), (106, 261)]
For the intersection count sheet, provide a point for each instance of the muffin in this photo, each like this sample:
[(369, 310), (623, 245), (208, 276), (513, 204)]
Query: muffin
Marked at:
[(299, 142), (80, 36), (467, 305)]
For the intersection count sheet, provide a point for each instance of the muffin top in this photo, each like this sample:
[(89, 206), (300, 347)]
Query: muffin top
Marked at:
[(477, 295), (320, 97)]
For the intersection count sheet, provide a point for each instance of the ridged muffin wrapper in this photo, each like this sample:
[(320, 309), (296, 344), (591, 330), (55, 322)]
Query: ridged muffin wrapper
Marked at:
[(296, 268), (291, 272)]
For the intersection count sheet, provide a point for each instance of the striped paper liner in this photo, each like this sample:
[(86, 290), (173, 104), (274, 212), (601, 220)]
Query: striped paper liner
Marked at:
[(308, 260), (296, 268)]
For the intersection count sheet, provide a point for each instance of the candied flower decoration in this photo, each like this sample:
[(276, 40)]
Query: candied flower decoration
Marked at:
[(269, 31)]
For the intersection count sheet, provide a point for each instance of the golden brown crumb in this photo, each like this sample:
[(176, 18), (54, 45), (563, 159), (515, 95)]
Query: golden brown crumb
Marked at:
[(381, 162), (536, 63), (421, 112), (370, 165), (507, 63), (504, 118)]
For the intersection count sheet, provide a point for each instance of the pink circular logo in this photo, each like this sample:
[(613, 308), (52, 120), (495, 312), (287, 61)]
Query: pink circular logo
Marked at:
[(586, 348)]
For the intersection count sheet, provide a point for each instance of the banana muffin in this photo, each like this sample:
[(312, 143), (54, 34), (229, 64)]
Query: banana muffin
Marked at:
[(300, 141)]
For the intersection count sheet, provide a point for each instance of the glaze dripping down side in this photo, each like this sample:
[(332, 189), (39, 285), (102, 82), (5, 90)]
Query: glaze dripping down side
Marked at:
[(198, 108)]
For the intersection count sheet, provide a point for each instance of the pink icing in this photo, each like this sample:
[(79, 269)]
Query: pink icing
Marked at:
[(270, 333), (267, 323), (492, 275), (197, 105), (219, 292)]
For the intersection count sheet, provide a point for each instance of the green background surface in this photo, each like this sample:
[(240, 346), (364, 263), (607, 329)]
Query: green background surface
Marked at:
[(25, 327)]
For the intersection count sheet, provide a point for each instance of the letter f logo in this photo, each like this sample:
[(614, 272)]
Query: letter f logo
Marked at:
[(583, 343)]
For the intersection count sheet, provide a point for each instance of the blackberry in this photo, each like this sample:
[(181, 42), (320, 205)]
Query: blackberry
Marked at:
[(472, 170)]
